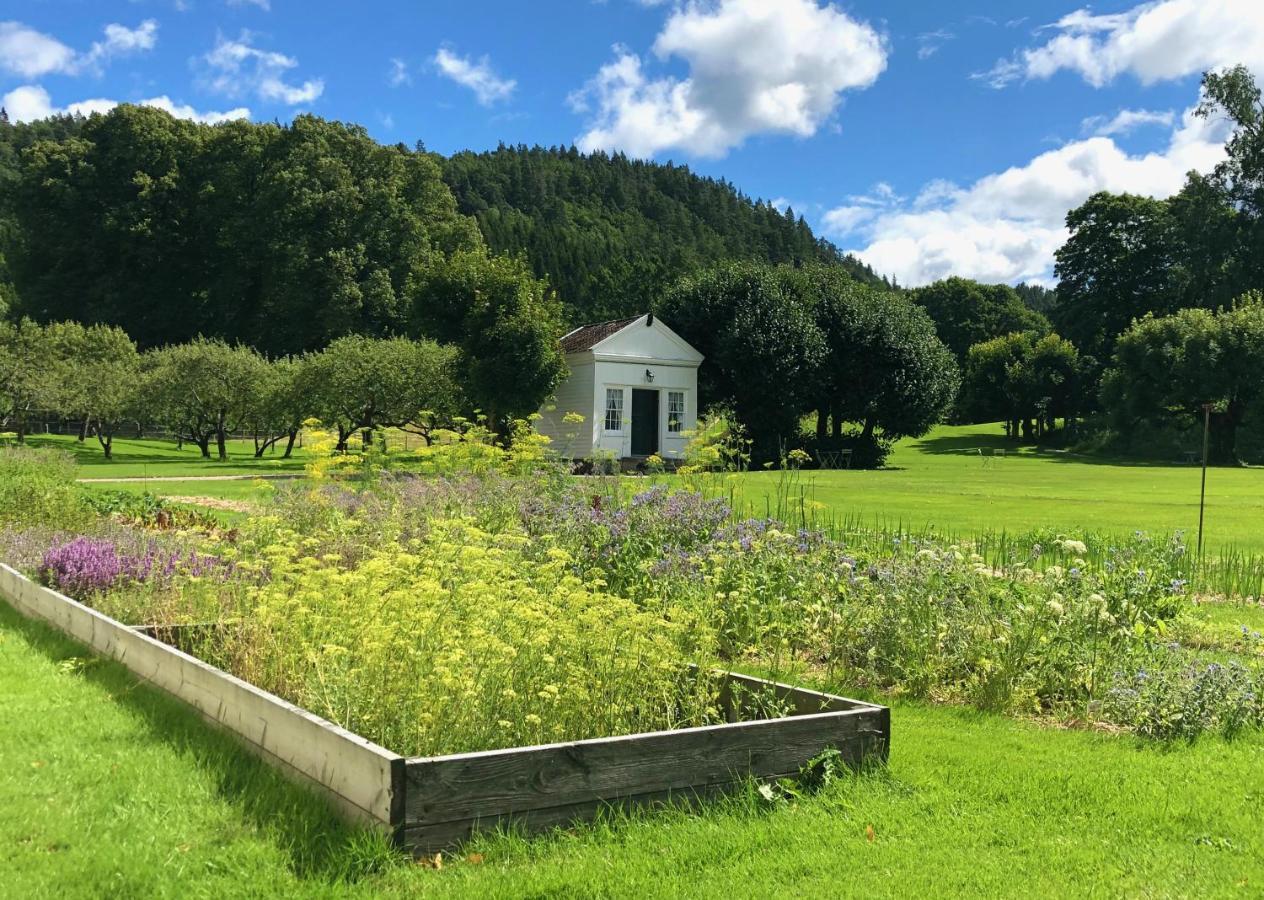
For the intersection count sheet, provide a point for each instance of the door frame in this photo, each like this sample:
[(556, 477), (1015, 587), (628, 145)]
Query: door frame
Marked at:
[(657, 441)]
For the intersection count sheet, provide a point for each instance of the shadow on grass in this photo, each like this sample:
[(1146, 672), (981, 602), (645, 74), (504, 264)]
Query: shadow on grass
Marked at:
[(320, 844), (985, 444), (159, 454)]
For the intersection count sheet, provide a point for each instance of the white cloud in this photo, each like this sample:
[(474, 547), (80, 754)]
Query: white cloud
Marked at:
[(1126, 121), (31, 101), (399, 74), (479, 76), (119, 41), (30, 54), (754, 67), (928, 43), (1006, 226), (1156, 41), (26, 52), (264, 5), (237, 67)]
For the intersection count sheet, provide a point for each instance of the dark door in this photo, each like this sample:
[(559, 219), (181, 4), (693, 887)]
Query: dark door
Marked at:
[(644, 422)]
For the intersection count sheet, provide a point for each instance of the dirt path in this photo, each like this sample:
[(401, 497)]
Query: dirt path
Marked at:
[(221, 503)]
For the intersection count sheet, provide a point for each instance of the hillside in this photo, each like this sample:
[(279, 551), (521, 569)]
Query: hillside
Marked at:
[(611, 233)]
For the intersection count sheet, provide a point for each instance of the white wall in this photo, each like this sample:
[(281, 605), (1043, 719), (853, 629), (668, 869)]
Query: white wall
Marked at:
[(629, 375), (573, 395)]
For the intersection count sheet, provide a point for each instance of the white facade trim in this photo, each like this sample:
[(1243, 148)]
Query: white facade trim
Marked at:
[(621, 362)]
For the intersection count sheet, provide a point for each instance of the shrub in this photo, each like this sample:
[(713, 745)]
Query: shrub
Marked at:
[(37, 487), (1170, 695)]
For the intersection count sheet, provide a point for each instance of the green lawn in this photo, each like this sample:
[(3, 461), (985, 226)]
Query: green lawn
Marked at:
[(939, 480), (112, 789), (942, 480), (161, 459)]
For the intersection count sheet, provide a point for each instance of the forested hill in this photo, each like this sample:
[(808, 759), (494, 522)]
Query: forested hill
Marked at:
[(611, 233)]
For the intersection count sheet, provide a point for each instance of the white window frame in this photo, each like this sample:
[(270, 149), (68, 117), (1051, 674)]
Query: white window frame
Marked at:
[(620, 393), (679, 421)]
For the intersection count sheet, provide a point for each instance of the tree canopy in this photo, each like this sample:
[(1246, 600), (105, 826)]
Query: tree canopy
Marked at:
[(1169, 367), (966, 312), (284, 237)]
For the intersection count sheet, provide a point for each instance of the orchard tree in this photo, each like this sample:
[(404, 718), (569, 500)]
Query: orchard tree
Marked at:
[(28, 374), (966, 312), (276, 406), (756, 326), (362, 384), (98, 373), (202, 389), (507, 324), (1169, 368)]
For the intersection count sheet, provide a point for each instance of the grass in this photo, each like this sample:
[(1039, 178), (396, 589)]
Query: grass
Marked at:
[(949, 480), (943, 481), (161, 459), (111, 788)]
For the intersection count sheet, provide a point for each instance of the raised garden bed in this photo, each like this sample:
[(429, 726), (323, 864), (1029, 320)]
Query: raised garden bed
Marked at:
[(430, 803)]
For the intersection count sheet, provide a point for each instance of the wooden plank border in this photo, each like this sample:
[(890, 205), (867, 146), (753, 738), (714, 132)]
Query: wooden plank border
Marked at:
[(447, 798), (431, 803), (359, 776)]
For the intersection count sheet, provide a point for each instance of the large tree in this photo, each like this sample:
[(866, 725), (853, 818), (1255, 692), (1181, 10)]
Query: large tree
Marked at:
[(1119, 264), (1170, 368), (966, 312), (1024, 381), (756, 326), (29, 376), (884, 368), (97, 369), (280, 236), (507, 324)]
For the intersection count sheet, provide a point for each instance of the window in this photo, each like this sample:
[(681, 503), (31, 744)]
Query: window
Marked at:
[(675, 411), (614, 409)]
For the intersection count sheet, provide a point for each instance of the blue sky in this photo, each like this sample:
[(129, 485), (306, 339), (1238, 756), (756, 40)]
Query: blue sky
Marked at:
[(930, 138)]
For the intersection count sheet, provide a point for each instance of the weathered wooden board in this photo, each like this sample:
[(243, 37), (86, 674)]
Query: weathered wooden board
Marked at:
[(364, 779), (447, 797), (430, 803)]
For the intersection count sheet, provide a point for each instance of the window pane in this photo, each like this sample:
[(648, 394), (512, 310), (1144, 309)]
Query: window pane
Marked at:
[(614, 409), (675, 411)]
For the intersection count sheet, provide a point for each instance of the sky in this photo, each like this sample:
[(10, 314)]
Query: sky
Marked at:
[(929, 138)]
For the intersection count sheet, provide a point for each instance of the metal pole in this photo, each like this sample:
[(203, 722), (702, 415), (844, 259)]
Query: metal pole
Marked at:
[(1202, 498)]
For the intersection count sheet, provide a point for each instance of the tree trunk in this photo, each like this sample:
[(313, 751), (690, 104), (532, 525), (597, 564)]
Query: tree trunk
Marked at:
[(1223, 437), (822, 423), (204, 444), (221, 437), (836, 421), (289, 446), (342, 440), (83, 429), (867, 434), (366, 439)]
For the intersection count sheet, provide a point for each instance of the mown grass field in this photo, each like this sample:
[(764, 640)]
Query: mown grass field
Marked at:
[(111, 789), (952, 479)]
